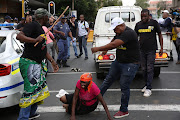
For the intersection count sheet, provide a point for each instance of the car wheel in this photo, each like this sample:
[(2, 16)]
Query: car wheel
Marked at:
[(157, 71), (99, 73)]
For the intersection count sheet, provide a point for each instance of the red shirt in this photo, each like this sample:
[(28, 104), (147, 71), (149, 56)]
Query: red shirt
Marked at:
[(89, 98)]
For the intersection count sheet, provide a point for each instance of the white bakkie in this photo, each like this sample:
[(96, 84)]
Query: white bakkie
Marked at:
[(11, 81), (102, 36)]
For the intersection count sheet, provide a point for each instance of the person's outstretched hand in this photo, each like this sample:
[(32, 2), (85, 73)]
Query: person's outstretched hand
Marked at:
[(94, 49), (55, 66)]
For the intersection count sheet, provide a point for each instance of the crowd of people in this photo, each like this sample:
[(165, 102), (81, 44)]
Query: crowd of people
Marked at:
[(130, 54), (59, 39)]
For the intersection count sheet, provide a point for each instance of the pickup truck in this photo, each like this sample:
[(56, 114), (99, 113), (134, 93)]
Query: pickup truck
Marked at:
[(102, 36)]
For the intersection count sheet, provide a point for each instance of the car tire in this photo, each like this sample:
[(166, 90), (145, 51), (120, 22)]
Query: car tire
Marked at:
[(99, 73), (157, 71)]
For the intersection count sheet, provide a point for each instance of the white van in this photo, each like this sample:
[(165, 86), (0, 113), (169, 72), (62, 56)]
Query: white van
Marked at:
[(102, 36)]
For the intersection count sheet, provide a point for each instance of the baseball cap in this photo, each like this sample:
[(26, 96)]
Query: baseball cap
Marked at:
[(41, 12), (165, 11), (7, 17), (115, 22)]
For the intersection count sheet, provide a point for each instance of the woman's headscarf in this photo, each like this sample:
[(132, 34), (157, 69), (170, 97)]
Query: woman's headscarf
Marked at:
[(87, 77)]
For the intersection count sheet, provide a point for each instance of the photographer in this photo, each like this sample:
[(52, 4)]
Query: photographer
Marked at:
[(177, 42)]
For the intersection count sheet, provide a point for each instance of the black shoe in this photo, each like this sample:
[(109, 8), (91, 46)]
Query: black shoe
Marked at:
[(80, 54), (77, 56), (59, 63), (85, 58), (34, 116), (65, 64), (68, 57)]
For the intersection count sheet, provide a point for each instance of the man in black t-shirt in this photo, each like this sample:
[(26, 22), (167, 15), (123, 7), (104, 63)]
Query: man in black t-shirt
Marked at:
[(31, 65), (146, 29), (73, 27), (126, 63)]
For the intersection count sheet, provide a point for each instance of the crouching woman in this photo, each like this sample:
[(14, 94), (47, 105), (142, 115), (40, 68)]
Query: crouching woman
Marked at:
[(85, 99)]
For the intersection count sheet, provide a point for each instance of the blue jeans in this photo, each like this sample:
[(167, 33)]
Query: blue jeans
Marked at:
[(63, 49), (83, 43), (177, 48), (126, 72), (147, 66), (74, 46), (25, 113)]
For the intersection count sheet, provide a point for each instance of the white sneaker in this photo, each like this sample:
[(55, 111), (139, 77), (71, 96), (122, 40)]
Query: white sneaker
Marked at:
[(61, 93), (143, 90), (147, 93)]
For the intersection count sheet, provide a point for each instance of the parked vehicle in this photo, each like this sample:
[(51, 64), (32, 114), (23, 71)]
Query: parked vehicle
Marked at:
[(11, 81), (102, 36)]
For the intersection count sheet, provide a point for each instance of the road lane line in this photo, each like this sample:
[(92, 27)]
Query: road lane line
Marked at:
[(133, 107), (67, 73), (133, 90)]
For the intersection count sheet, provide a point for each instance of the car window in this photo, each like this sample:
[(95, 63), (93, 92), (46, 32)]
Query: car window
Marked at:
[(113, 15), (2, 44), (17, 45), (124, 15)]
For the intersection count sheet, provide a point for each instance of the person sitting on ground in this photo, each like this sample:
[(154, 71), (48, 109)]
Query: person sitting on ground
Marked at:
[(85, 99)]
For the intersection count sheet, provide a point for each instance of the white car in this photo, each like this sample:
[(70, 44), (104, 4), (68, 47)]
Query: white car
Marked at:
[(11, 81), (102, 36)]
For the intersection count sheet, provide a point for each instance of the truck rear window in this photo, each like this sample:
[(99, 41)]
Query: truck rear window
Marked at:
[(126, 16), (2, 44)]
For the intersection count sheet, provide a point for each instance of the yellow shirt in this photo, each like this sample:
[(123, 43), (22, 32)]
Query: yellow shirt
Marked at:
[(174, 35)]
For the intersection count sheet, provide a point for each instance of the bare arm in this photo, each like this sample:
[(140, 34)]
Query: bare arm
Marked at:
[(100, 98), (70, 35), (177, 30), (114, 44), (22, 38), (161, 43), (59, 32), (54, 64), (75, 98), (88, 32)]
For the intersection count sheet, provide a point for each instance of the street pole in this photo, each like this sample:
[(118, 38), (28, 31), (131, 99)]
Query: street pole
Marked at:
[(22, 8), (72, 4)]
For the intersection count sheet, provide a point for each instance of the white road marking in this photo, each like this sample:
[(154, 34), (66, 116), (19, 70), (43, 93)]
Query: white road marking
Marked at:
[(133, 107), (170, 72), (133, 90), (67, 72)]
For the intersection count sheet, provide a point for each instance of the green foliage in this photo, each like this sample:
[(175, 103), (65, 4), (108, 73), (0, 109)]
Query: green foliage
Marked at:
[(142, 3), (106, 3), (86, 7), (161, 6)]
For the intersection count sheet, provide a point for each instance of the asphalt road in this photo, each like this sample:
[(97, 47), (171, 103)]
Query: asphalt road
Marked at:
[(164, 104)]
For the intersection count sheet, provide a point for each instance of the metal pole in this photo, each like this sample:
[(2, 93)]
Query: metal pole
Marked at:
[(22, 8), (72, 4)]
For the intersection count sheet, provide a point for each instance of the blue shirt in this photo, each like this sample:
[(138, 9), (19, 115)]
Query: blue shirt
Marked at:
[(63, 28), (167, 25)]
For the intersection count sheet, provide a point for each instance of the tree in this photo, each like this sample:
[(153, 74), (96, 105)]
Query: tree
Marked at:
[(86, 7), (142, 3), (106, 3), (161, 6)]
